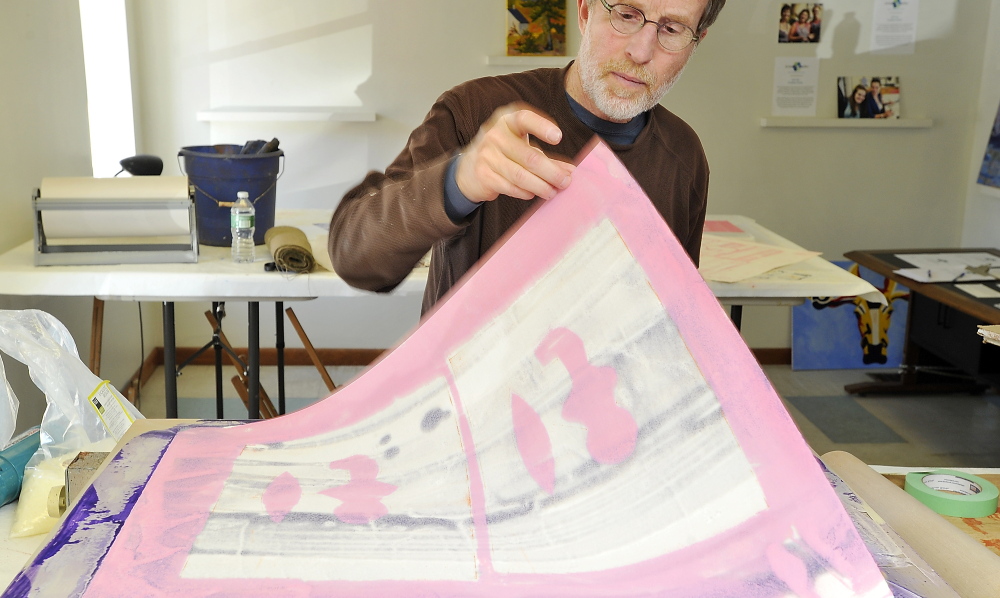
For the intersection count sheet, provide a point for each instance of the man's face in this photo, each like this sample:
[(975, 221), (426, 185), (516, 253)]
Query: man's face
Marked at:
[(625, 75)]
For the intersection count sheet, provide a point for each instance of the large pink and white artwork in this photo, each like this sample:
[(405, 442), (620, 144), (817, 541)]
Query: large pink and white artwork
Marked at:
[(578, 418)]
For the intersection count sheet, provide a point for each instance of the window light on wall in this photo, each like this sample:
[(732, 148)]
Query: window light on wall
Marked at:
[(109, 84)]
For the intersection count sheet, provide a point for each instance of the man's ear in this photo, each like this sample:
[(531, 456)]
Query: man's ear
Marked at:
[(582, 14)]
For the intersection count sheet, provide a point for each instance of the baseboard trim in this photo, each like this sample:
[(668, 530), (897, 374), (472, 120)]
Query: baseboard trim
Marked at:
[(295, 356), (776, 356)]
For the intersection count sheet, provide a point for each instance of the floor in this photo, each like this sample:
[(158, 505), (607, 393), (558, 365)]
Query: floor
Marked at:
[(957, 430)]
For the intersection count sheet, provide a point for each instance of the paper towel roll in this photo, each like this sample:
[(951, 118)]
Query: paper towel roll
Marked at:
[(139, 187), (133, 221)]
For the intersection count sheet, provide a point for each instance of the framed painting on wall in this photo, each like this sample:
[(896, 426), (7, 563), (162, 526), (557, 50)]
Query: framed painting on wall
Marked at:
[(536, 27), (844, 333)]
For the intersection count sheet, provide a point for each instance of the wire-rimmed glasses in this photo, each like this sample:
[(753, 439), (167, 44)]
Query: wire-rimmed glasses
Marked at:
[(673, 36)]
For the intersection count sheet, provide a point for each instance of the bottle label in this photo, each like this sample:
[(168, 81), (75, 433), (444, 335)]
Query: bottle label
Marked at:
[(241, 220)]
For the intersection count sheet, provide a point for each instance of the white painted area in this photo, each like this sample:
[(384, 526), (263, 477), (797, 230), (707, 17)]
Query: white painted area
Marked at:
[(416, 445), (600, 516)]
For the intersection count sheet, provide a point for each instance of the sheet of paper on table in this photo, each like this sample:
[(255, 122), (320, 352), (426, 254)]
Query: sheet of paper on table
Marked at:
[(948, 266), (979, 291), (731, 260), (990, 333)]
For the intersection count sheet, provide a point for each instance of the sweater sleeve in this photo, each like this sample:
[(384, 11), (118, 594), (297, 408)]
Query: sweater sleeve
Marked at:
[(387, 223)]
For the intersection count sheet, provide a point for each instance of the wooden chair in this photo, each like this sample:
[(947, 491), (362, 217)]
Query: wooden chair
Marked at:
[(313, 356)]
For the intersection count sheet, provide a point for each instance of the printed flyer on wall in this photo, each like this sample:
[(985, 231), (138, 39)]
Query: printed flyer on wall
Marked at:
[(795, 81)]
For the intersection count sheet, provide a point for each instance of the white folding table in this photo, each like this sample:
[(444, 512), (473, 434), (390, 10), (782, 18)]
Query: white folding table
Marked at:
[(216, 278)]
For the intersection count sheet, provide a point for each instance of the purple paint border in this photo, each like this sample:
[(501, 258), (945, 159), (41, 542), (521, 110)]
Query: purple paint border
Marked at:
[(64, 547)]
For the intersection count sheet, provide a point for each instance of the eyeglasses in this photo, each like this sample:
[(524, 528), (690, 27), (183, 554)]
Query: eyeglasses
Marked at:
[(673, 36)]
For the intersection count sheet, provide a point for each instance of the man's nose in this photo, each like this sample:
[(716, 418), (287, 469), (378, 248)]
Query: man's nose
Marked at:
[(643, 44)]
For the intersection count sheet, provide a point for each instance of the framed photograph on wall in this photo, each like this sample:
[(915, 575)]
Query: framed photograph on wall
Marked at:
[(989, 172), (800, 22), (536, 27), (868, 97)]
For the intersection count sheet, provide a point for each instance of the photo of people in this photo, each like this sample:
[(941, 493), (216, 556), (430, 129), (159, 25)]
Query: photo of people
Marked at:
[(800, 23), (868, 97)]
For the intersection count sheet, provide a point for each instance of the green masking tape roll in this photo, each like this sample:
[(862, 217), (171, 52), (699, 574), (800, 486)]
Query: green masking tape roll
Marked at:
[(953, 493)]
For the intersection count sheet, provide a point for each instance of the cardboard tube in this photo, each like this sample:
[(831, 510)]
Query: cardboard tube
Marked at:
[(968, 567)]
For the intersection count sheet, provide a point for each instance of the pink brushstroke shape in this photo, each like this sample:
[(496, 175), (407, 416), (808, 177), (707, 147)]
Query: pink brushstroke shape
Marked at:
[(533, 443), (281, 496), (361, 498), (611, 429)]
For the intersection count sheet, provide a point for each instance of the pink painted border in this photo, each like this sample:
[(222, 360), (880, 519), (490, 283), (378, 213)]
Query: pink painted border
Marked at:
[(151, 547)]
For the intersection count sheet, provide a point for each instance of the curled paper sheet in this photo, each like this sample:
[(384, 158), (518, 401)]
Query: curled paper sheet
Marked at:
[(290, 249)]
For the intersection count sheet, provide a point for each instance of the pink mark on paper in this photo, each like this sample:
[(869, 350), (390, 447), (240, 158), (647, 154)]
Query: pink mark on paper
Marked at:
[(721, 226), (281, 496), (533, 443), (611, 430), (361, 497)]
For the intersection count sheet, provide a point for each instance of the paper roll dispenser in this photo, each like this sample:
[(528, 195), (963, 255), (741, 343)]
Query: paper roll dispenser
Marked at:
[(129, 220)]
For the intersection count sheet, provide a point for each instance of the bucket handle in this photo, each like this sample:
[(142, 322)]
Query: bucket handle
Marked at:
[(229, 204)]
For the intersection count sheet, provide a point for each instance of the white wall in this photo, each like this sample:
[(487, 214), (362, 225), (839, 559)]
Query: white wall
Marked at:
[(43, 124), (831, 190)]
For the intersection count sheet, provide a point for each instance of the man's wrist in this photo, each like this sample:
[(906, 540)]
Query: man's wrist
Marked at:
[(456, 205)]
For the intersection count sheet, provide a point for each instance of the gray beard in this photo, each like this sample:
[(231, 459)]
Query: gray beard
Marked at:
[(613, 106)]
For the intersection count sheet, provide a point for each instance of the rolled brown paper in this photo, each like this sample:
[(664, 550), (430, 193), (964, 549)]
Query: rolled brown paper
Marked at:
[(290, 249), (970, 569)]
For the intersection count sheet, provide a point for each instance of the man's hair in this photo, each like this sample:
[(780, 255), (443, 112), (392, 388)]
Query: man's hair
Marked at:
[(712, 10)]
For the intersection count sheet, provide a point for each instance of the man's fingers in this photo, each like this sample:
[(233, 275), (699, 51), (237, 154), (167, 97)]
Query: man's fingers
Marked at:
[(502, 161), (524, 122)]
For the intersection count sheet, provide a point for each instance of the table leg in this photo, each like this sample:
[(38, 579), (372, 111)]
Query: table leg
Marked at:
[(96, 337), (253, 360), (219, 311), (169, 360), (736, 315), (279, 345)]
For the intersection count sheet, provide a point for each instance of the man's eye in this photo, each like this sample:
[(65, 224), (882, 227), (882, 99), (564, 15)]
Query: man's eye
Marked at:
[(671, 28), (629, 15)]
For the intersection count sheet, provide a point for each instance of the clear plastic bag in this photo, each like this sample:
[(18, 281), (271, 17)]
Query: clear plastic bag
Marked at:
[(82, 411), (8, 408)]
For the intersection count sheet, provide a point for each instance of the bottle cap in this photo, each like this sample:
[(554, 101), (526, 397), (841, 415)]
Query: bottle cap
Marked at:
[(242, 195)]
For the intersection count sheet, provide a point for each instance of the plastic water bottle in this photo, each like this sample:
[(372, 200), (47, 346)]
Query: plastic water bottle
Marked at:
[(241, 222)]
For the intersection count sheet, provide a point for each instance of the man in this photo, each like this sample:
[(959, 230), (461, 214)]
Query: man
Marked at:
[(489, 148)]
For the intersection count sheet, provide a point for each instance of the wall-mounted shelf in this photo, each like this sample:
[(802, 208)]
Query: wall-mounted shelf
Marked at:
[(287, 113), (847, 123), (528, 61)]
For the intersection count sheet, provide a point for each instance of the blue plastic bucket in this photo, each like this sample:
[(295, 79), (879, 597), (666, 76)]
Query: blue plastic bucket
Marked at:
[(217, 173)]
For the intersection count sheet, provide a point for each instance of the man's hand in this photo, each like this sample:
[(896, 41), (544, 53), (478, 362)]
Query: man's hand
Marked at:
[(501, 161)]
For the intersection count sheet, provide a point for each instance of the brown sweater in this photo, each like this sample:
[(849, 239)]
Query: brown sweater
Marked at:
[(385, 225)]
